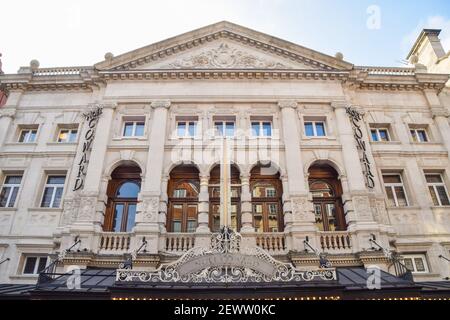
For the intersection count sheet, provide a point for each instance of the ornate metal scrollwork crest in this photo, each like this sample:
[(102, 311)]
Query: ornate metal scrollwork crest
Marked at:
[(225, 261)]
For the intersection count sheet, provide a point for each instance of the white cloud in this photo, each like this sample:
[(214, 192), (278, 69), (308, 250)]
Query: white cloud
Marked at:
[(433, 22)]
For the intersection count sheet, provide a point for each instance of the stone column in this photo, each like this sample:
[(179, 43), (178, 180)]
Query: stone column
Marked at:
[(6, 118), (203, 205), (297, 209), (246, 205), (152, 206)]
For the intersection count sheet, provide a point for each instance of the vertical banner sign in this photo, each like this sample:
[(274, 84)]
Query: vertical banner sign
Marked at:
[(92, 119), (356, 118)]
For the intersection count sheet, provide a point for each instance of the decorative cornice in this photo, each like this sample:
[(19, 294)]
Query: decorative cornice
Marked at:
[(7, 112), (340, 104)]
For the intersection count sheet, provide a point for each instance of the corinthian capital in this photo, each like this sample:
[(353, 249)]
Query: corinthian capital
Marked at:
[(287, 104), (11, 113), (340, 104), (161, 104)]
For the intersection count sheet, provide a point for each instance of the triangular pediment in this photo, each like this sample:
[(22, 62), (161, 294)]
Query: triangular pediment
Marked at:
[(223, 46)]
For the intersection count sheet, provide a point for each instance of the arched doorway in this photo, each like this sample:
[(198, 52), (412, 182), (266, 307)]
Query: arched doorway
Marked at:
[(214, 199), (122, 192), (326, 190), (267, 191), (183, 192)]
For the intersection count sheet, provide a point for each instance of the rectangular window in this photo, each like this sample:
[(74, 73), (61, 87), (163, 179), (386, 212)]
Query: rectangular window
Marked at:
[(416, 263), (261, 128), (67, 135), (395, 192), (224, 128), (380, 134), (53, 191), (419, 135), (186, 128), (10, 189), (133, 129), (315, 129), (438, 190), (27, 135), (34, 265)]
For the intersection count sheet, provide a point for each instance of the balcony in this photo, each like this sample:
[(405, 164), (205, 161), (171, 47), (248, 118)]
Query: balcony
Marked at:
[(337, 242), (274, 243), (114, 243)]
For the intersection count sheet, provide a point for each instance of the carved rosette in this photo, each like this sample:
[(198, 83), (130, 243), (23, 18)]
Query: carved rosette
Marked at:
[(361, 205), (88, 206), (150, 210), (302, 209)]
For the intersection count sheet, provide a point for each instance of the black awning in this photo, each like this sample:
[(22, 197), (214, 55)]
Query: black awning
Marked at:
[(101, 284)]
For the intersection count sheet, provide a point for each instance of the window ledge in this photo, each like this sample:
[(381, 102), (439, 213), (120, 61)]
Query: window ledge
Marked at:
[(440, 207), (21, 144), (318, 138), (8, 209), (62, 143), (24, 277), (130, 138), (386, 142), (38, 209), (404, 208)]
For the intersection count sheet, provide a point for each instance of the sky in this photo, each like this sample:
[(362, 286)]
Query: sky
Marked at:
[(79, 33)]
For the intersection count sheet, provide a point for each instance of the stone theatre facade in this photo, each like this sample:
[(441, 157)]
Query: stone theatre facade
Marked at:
[(123, 155)]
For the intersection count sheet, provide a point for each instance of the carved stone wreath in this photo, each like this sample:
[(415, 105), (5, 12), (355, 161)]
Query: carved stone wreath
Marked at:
[(225, 262), (225, 57)]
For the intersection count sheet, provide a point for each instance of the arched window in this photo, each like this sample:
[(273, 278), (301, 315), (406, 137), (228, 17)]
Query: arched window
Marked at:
[(123, 190), (214, 199), (326, 192), (267, 208), (183, 191)]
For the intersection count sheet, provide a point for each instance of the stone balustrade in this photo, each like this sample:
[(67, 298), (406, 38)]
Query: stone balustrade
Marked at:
[(335, 242), (114, 243), (179, 242), (393, 71), (274, 243)]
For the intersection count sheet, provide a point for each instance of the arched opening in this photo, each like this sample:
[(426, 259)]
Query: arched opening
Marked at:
[(183, 191), (214, 199), (122, 192), (267, 192), (326, 190)]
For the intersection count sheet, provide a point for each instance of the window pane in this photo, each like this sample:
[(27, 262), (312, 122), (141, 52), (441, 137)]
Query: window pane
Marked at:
[(129, 190), (409, 264), (12, 200), (30, 264), (420, 266), (13, 180), (47, 197), (443, 196), (176, 226), (128, 129), (131, 217), (384, 136), (230, 129), (414, 135), (58, 196), (181, 129), (177, 212), (192, 129), (433, 196), (401, 197), (392, 179), (331, 216), (42, 264), (56, 179), (321, 189), (23, 136), (318, 216), (433, 178), (267, 129), (118, 214), (219, 128), (422, 135), (390, 197), (73, 136), (309, 131), (63, 136), (32, 136), (255, 129), (320, 129), (374, 135), (139, 129), (4, 195)]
